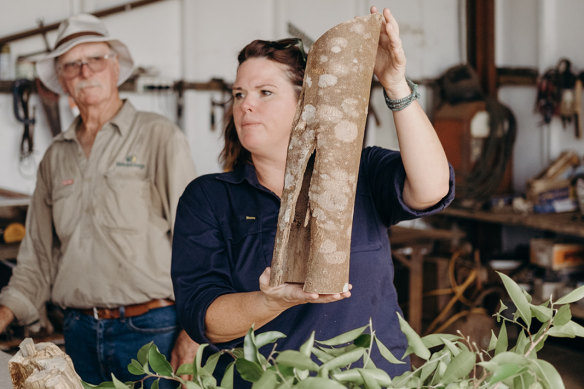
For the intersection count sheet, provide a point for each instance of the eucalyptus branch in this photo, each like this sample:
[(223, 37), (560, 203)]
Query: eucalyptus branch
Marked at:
[(525, 328), (543, 335)]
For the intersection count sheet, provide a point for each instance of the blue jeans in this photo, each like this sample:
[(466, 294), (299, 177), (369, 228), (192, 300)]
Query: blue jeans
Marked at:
[(100, 348)]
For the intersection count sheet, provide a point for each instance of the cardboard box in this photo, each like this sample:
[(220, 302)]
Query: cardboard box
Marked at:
[(556, 255)]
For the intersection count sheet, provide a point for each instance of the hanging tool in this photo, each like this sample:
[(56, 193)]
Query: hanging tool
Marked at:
[(566, 83), (221, 104), (21, 91)]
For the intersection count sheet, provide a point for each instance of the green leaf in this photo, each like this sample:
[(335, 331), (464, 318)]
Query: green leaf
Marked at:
[(568, 330), (434, 340), (385, 353), (454, 350), (227, 380), (502, 359), (522, 343), (370, 381), (158, 362), (155, 384), (306, 348), (143, 353), (548, 374), (518, 298), (346, 337), (267, 338), (363, 340), (212, 363), (119, 384), (196, 365), (136, 368), (430, 366), (269, 380), (249, 371), (184, 369), (502, 307), (373, 377), (415, 343), (336, 351), (349, 376), (319, 383), (192, 385), (505, 371), (492, 341), (460, 366), (542, 313), (502, 340), (322, 355), (296, 359), (341, 360), (103, 385), (250, 350), (563, 316), (572, 297)]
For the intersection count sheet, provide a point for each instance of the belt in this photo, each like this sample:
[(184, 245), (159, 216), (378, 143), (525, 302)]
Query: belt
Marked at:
[(128, 310)]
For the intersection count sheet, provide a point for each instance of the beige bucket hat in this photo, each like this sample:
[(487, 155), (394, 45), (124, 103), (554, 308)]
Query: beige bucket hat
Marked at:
[(81, 28)]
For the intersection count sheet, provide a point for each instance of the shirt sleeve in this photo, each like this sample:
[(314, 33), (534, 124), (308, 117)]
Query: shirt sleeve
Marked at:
[(30, 284), (200, 270), (385, 177), (175, 169)]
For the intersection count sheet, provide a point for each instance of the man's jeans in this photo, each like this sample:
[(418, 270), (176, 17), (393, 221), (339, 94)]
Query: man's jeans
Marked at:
[(100, 348)]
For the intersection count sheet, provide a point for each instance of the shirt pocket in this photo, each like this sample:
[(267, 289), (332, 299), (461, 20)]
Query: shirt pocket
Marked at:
[(65, 208), (122, 203), (365, 234), (248, 260)]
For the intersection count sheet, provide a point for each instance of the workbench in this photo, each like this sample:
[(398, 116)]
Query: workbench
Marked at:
[(485, 228)]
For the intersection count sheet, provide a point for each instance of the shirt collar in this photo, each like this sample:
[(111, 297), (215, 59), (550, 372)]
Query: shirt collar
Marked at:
[(122, 122), (242, 172)]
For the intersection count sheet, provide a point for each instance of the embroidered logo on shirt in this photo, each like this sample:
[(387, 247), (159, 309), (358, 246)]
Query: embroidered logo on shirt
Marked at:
[(250, 218), (130, 161), (67, 182)]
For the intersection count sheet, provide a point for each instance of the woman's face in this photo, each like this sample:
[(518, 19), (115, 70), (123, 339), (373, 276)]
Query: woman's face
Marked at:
[(264, 104)]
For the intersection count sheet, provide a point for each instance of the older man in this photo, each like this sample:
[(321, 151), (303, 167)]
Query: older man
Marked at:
[(99, 225)]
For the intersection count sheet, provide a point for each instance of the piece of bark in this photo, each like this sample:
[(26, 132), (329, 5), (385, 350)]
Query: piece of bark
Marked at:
[(313, 239), (42, 365)]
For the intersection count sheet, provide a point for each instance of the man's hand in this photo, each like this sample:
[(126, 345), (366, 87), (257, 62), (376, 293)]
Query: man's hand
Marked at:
[(6, 317), (184, 351)]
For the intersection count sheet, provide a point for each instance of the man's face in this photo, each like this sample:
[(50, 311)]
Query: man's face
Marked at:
[(89, 73)]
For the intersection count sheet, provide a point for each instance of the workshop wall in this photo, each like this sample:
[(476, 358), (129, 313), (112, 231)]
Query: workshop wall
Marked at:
[(536, 34), (197, 40)]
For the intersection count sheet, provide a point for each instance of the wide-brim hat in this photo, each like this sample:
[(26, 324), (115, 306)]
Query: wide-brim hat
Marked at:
[(81, 28)]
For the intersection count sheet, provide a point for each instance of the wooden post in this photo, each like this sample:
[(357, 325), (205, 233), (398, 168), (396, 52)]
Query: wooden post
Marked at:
[(313, 240)]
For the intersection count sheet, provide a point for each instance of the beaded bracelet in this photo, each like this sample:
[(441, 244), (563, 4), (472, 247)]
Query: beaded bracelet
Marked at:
[(399, 104)]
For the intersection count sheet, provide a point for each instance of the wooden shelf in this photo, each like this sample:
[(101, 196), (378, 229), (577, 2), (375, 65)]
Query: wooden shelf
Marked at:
[(569, 223)]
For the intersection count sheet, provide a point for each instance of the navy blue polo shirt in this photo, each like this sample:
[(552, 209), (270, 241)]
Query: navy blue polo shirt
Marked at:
[(224, 238)]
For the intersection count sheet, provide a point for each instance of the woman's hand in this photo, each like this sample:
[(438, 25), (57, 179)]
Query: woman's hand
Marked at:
[(390, 64), (282, 297)]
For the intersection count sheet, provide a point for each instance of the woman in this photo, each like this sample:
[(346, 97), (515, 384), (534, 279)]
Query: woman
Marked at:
[(226, 223)]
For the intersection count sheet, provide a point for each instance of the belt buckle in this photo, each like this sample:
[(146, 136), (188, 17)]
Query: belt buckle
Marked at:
[(95, 313)]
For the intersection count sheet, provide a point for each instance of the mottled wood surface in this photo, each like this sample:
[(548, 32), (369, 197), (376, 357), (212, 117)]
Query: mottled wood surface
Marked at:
[(313, 240), (42, 365)]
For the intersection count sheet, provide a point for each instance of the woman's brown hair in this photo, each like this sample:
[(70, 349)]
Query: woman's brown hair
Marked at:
[(289, 52)]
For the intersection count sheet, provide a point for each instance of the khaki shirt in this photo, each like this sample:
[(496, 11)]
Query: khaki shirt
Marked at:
[(99, 229)]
